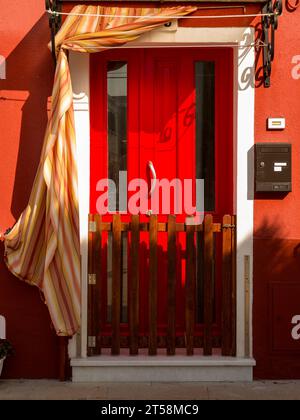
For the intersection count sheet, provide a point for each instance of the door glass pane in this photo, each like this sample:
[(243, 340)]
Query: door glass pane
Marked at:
[(117, 162), (205, 160), (116, 125), (205, 129)]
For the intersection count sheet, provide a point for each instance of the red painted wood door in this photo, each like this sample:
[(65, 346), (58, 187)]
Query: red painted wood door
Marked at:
[(173, 108)]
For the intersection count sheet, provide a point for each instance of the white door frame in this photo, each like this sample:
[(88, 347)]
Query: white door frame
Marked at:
[(240, 39)]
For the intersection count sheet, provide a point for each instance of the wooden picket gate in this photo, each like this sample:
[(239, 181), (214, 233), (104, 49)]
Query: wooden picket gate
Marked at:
[(207, 336)]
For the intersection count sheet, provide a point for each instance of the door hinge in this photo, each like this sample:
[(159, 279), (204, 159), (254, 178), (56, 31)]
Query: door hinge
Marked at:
[(92, 227), (91, 341), (247, 272), (92, 279), (228, 226)]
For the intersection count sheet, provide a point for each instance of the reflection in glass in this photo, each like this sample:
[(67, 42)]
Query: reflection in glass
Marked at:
[(205, 129)]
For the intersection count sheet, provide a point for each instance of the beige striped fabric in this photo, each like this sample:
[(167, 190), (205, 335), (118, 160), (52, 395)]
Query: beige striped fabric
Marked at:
[(43, 248)]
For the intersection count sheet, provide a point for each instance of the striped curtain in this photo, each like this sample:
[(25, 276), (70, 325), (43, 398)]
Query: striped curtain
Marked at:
[(43, 248)]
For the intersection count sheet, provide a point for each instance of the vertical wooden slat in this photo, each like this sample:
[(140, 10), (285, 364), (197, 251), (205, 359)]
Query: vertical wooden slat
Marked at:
[(190, 293), (153, 286), (247, 304), (233, 288), (134, 285), (91, 288), (229, 286), (98, 287), (208, 284), (171, 329), (226, 285), (200, 277), (116, 284), (63, 358)]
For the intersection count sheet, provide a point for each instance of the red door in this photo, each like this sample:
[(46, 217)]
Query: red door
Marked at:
[(164, 113)]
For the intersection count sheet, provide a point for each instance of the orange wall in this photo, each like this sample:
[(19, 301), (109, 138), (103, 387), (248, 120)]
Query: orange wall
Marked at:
[(282, 99), (277, 221), (24, 34)]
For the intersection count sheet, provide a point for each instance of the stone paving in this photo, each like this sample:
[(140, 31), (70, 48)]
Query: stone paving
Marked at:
[(54, 390)]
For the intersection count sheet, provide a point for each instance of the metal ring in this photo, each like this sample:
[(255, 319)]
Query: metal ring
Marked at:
[(277, 8)]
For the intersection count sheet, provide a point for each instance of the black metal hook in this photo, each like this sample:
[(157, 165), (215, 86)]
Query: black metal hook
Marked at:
[(54, 22), (270, 25)]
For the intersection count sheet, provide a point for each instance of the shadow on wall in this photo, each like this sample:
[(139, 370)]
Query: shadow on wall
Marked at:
[(29, 70), (276, 302), (252, 77), (257, 80)]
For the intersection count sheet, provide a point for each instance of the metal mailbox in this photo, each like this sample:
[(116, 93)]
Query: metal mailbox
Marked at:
[(273, 167)]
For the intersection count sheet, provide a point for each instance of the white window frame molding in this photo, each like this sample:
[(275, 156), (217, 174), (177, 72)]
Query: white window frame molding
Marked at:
[(244, 92)]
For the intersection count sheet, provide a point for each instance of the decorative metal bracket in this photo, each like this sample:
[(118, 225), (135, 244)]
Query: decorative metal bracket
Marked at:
[(270, 25), (54, 22)]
